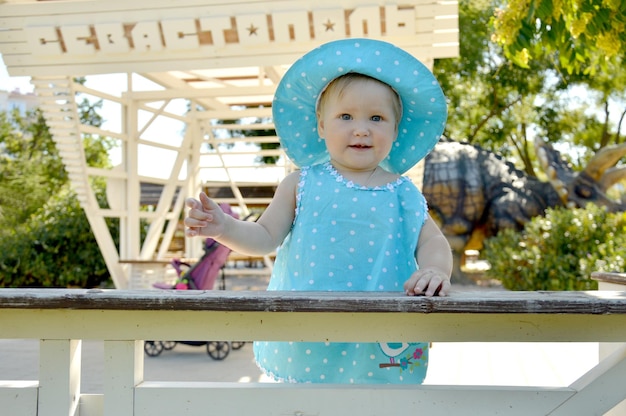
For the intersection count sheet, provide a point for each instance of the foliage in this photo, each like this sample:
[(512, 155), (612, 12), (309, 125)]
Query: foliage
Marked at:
[(27, 155), (492, 103), (45, 238), (559, 251), (580, 36), (54, 248), (503, 107)]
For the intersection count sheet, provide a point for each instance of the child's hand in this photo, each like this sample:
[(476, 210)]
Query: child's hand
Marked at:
[(429, 281), (204, 218)]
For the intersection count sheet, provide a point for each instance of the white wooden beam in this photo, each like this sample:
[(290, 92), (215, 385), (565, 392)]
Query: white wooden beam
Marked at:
[(130, 243), (599, 390), (340, 400), (59, 377), (165, 201), (19, 397), (202, 93), (123, 371)]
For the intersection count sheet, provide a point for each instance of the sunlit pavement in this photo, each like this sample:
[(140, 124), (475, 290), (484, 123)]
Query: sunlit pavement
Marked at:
[(507, 364)]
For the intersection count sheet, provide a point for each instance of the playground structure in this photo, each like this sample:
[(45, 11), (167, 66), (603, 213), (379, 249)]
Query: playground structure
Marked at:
[(179, 80)]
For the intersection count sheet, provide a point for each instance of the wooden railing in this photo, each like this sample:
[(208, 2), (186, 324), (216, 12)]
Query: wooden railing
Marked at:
[(62, 318)]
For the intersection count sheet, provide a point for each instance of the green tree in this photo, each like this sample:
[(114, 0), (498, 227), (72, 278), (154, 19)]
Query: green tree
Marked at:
[(492, 103), (579, 36), (28, 155), (502, 106), (45, 238)]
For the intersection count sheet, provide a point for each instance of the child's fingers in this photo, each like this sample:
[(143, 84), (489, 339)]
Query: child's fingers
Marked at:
[(204, 216), (427, 282), (445, 288), (197, 219), (207, 203), (193, 203), (417, 283), (434, 286)]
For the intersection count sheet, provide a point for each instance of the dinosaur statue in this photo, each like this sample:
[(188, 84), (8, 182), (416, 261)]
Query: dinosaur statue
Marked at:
[(473, 193)]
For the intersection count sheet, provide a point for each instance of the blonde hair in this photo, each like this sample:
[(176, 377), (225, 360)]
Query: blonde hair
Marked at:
[(336, 87)]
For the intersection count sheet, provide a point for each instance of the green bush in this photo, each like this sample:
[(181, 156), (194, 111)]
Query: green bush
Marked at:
[(559, 251), (55, 247), (45, 237)]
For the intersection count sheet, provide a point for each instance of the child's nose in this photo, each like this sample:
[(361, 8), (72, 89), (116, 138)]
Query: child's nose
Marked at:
[(361, 129)]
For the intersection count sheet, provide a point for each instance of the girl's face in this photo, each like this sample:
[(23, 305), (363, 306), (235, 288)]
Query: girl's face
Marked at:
[(358, 123)]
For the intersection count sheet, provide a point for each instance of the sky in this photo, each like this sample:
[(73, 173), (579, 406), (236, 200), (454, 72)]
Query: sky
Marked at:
[(8, 83)]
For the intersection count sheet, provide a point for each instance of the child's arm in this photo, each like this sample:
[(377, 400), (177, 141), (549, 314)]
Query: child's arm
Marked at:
[(205, 218), (434, 258)]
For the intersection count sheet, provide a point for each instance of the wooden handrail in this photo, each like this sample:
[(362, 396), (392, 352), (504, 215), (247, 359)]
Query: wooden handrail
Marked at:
[(617, 278), (479, 302)]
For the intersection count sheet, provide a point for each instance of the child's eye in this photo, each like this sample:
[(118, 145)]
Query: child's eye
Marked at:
[(346, 117), (376, 118)]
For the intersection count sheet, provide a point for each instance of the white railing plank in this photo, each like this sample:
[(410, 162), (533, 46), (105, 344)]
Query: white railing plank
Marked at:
[(91, 405), (313, 326), (18, 397), (598, 388), (340, 400), (189, 315)]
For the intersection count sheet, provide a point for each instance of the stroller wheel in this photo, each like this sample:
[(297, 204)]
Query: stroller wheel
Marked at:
[(168, 345), (153, 348), (237, 344), (218, 350)]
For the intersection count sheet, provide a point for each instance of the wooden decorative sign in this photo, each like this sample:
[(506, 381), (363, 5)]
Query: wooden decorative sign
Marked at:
[(100, 37), (281, 27)]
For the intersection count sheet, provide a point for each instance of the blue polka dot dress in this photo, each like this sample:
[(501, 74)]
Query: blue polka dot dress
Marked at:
[(347, 237)]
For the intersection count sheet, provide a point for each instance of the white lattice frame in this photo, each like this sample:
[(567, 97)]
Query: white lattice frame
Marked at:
[(53, 42)]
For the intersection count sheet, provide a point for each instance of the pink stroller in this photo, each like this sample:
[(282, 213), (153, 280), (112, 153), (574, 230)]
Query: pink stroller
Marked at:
[(200, 276), (203, 274)]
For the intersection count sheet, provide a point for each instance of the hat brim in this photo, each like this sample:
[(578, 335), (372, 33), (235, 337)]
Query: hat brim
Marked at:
[(424, 108)]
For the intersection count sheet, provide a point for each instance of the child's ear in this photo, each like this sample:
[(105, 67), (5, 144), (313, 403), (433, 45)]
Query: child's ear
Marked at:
[(320, 126)]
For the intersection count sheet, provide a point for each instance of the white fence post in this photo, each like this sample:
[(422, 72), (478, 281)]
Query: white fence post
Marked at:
[(123, 371), (59, 377)]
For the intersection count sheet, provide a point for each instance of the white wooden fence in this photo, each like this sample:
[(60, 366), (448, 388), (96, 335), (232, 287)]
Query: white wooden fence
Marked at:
[(62, 318)]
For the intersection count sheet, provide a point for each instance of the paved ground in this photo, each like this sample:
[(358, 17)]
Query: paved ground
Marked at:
[(513, 364), (516, 364)]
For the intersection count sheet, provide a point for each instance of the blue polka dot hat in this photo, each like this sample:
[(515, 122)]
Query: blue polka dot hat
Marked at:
[(424, 109)]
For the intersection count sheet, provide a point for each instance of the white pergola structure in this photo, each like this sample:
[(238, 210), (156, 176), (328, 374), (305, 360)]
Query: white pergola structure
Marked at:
[(170, 74)]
